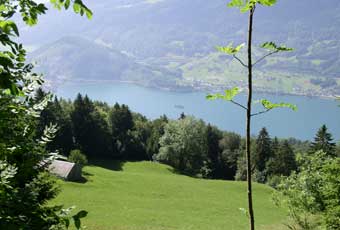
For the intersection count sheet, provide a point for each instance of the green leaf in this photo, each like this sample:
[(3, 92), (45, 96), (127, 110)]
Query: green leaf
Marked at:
[(273, 47), (67, 4), (5, 61), (267, 2), (77, 223), (228, 95), (88, 13), (9, 87), (244, 5), (77, 218), (80, 8), (230, 49), (82, 214), (76, 8), (269, 105), (8, 27), (212, 97), (236, 3), (231, 93)]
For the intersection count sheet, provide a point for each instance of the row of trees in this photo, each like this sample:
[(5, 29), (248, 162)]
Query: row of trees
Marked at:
[(100, 130), (188, 144)]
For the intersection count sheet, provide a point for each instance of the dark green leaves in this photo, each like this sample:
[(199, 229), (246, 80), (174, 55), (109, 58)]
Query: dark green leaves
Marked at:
[(228, 95), (273, 47), (77, 217), (269, 105), (78, 7), (230, 49), (8, 27), (30, 11)]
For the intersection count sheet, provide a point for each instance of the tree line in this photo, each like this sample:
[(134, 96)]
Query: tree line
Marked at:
[(188, 144)]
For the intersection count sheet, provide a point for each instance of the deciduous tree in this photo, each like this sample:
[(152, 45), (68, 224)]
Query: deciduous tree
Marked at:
[(250, 6)]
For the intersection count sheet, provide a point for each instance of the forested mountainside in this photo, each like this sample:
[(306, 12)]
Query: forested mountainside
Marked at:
[(76, 58), (162, 33)]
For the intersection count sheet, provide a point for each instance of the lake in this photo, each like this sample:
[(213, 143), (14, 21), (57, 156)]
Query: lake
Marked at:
[(282, 122)]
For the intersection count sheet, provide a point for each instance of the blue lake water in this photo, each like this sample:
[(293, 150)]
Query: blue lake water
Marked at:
[(303, 124)]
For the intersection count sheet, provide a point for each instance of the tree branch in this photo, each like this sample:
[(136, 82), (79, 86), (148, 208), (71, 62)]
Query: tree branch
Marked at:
[(238, 104), (240, 61), (262, 112), (267, 55)]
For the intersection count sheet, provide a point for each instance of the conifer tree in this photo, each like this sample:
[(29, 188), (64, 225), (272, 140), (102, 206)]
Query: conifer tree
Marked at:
[(53, 113), (323, 141), (121, 122), (283, 162), (263, 150), (213, 138), (275, 145), (91, 131)]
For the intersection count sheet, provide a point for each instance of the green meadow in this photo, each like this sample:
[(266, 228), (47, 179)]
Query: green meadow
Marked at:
[(151, 196)]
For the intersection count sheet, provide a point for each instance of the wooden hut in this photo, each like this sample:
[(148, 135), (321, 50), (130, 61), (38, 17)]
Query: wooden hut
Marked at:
[(66, 170)]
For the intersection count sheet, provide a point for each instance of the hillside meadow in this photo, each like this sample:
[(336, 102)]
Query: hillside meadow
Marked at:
[(151, 196)]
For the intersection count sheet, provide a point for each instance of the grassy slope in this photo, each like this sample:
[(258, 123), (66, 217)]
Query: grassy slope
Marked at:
[(150, 196)]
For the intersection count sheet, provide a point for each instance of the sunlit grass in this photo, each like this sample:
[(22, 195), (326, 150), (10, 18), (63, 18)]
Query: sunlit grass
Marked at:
[(148, 195)]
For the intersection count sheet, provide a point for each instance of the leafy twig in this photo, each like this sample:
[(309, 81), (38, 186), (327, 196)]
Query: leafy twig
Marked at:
[(265, 56), (240, 61), (238, 104), (262, 112)]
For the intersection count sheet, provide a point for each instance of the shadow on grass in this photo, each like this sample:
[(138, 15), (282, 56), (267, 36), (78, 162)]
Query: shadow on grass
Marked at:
[(85, 177), (181, 172), (114, 165), (82, 180)]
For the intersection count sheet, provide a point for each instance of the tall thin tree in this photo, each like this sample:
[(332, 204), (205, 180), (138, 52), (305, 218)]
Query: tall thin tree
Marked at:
[(250, 6)]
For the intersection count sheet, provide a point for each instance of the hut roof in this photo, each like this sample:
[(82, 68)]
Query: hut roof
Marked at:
[(62, 168)]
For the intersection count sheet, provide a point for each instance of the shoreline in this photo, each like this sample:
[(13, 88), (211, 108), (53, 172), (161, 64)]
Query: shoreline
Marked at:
[(52, 85)]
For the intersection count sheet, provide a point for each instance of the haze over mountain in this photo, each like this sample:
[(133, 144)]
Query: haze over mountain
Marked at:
[(178, 37), (76, 58)]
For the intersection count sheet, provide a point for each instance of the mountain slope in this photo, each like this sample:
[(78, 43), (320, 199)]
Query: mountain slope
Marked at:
[(79, 59), (171, 33), (148, 195)]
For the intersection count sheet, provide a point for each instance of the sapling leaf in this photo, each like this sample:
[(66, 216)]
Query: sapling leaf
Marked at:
[(273, 47), (212, 97), (230, 49), (236, 3), (267, 2), (243, 5), (269, 105), (229, 95)]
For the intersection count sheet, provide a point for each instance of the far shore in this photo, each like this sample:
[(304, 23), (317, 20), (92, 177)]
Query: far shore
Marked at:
[(178, 88)]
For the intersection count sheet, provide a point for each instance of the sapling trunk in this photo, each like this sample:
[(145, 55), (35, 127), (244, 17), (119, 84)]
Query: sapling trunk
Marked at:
[(249, 6), (250, 95)]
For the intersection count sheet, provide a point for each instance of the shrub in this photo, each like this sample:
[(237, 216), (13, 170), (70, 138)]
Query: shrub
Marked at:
[(314, 192), (78, 157)]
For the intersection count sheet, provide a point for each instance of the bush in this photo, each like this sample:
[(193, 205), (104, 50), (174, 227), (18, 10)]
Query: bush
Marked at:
[(274, 181), (314, 192), (76, 156)]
